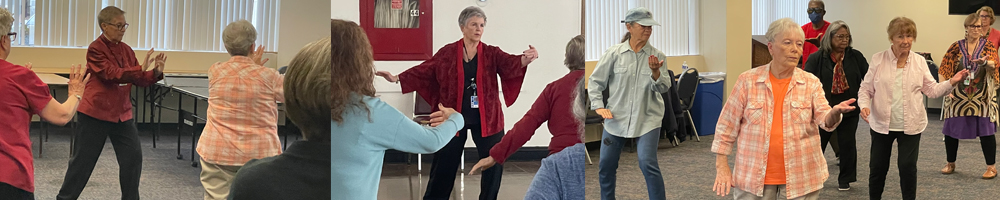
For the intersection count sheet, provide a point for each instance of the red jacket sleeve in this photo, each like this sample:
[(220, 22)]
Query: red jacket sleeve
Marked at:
[(104, 68), (525, 128), (423, 77), (510, 70)]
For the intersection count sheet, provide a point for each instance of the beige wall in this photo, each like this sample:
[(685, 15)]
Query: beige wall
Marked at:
[(302, 21), (936, 30), (738, 46)]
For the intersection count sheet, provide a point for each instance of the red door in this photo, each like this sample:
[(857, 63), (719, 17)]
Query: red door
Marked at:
[(398, 29)]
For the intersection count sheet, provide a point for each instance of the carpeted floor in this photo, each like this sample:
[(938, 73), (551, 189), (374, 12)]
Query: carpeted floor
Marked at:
[(163, 175), (689, 171)]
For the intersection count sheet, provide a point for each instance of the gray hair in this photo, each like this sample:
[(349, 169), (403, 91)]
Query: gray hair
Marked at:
[(468, 13), (826, 43), (107, 14), (238, 38), (574, 53), (780, 26), (6, 21)]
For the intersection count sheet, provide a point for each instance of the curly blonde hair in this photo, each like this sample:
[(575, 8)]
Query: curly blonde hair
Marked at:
[(353, 68)]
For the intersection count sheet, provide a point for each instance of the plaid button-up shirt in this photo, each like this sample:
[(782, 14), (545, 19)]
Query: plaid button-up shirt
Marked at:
[(242, 120), (747, 117)]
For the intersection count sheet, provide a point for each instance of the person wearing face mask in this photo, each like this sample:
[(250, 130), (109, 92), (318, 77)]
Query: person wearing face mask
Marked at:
[(970, 111), (463, 75), (771, 119), (891, 102), (814, 30), (840, 68), (631, 71)]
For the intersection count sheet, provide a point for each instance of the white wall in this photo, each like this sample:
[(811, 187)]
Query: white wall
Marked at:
[(936, 30), (512, 25)]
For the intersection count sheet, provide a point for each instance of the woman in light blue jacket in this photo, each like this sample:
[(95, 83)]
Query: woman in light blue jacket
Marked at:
[(364, 127)]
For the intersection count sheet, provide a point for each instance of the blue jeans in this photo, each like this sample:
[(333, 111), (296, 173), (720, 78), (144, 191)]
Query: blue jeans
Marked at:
[(611, 150)]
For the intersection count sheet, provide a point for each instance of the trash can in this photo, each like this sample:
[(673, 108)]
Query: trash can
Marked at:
[(708, 102)]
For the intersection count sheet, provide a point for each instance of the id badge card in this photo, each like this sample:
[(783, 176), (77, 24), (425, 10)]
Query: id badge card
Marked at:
[(474, 101)]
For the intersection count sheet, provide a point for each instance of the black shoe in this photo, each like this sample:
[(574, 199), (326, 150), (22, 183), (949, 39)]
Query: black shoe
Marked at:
[(844, 187)]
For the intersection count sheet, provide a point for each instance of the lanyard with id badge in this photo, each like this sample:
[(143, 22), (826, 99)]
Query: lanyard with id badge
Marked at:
[(474, 99)]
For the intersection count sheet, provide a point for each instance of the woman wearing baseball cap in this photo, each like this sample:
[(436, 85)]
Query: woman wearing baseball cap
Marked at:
[(630, 71)]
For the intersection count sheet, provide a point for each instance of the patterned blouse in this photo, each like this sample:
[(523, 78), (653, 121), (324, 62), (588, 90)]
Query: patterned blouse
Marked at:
[(972, 99)]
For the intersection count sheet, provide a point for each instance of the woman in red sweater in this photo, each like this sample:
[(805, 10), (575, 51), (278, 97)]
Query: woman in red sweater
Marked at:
[(561, 104)]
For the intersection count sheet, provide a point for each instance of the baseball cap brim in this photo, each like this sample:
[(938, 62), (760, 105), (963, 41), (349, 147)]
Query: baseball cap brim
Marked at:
[(647, 22)]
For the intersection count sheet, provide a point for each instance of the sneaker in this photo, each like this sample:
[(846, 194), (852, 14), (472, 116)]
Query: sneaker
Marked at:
[(844, 187)]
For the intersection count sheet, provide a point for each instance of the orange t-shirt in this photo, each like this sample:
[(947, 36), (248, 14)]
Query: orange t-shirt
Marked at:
[(774, 174)]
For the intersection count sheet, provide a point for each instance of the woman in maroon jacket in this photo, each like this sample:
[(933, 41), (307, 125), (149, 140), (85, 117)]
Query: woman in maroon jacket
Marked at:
[(451, 78), (561, 104)]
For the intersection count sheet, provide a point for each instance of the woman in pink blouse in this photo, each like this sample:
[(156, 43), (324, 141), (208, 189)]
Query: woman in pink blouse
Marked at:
[(891, 103)]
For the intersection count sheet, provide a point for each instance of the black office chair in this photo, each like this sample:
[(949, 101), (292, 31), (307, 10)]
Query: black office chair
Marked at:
[(687, 85), (282, 69)]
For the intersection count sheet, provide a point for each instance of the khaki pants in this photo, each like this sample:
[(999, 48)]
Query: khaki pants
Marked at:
[(216, 179), (771, 192)]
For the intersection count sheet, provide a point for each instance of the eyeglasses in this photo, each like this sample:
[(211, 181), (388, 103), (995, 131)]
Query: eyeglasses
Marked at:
[(121, 27), (12, 35), (842, 36), (814, 10), (973, 26)]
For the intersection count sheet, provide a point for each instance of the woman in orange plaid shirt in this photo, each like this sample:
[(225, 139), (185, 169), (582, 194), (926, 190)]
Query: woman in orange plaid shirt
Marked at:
[(242, 111), (777, 131)]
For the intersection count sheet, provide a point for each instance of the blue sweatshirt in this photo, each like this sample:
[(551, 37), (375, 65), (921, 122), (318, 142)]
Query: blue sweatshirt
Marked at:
[(358, 145)]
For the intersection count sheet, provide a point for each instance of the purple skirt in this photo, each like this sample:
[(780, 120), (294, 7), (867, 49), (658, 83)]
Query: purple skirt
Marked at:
[(968, 127)]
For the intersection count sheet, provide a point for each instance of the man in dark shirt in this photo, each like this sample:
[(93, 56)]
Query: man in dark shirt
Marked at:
[(106, 110)]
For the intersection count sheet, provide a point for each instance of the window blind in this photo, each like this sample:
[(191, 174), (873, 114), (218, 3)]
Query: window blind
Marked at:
[(182, 25), (676, 35), (767, 11)]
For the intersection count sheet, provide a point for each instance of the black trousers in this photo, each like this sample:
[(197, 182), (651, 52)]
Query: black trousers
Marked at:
[(989, 144), (89, 142), (909, 147), (446, 161), (847, 141), (10, 192)]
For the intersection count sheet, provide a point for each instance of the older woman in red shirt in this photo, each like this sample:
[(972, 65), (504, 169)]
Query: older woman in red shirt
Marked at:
[(25, 95), (462, 75), (106, 111)]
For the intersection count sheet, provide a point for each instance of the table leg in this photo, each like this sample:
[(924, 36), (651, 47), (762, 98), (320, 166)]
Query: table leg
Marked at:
[(180, 105), (194, 139)]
